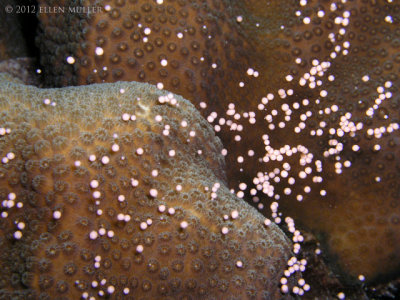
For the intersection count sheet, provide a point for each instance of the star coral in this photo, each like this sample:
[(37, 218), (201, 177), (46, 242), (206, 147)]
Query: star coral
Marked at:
[(304, 95), (116, 190)]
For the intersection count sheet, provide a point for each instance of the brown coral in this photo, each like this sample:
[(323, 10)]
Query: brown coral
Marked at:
[(118, 190), (298, 91)]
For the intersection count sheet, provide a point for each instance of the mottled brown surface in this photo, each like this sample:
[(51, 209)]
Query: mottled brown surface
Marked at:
[(358, 219), (53, 254), (23, 68)]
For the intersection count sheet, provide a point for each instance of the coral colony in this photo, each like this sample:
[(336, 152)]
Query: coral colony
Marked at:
[(118, 189), (122, 188)]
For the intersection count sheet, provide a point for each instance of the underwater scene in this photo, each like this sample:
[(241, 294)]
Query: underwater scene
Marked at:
[(200, 149)]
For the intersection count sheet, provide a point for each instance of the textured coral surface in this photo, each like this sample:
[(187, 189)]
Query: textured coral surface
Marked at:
[(118, 190), (304, 95)]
